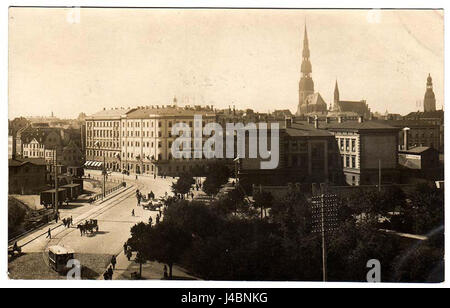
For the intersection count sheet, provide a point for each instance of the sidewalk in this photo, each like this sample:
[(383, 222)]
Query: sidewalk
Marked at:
[(150, 270)]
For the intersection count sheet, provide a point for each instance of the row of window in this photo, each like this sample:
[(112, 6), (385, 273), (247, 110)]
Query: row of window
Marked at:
[(103, 123), (349, 161), (347, 144)]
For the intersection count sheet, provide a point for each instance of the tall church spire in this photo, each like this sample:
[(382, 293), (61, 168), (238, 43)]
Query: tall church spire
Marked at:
[(306, 64), (336, 95), (305, 45), (306, 84)]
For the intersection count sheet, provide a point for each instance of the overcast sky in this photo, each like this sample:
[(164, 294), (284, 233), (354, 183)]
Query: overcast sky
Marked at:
[(68, 62)]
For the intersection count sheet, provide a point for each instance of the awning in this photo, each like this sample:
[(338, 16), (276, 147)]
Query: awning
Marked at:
[(87, 163), (96, 164)]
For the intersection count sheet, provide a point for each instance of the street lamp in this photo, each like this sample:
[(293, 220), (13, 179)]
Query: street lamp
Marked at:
[(56, 180), (120, 159), (97, 144), (236, 168)]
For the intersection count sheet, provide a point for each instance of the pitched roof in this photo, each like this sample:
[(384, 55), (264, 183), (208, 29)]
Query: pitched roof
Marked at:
[(359, 107), (355, 125), (426, 114), (22, 161), (416, 150), (315, 99), (305, 130), (404, 123), (114, 113), (147, 112)]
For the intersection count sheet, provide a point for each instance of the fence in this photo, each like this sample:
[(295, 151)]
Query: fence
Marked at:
[(107, 192)]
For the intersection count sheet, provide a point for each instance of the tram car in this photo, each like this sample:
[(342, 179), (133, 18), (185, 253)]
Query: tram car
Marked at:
[(48, 196), (73, 191), (58, 256)]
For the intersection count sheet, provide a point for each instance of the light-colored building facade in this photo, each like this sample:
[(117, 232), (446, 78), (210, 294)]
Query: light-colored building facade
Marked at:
[(366, 148), (139, 140), (103, 138)]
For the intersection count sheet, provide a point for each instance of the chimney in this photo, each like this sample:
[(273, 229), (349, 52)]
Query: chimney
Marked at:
[(360, 119), (316, 122), (340, 119), (405, 138), (288, 122)]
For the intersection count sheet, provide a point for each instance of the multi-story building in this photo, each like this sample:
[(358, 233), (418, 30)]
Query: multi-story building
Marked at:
[(26, 175), (103, 138), (11, 151), (146, 138), (139, 140), (71, 156), (416, 133), (367, 148), (33, 149), (307, 154)]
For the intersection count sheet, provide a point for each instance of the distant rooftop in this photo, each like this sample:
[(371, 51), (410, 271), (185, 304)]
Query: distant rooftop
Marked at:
[(416, 150), (110, 113), (150, 111), (14, 162)]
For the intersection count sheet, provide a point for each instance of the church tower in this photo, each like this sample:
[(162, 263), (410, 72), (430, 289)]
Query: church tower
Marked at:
[(306, 85), (429, 101), (336, 97)]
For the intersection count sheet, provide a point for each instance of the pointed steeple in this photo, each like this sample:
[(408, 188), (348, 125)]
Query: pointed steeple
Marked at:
[(306, 85), (306, 64), (336, 95), (305, 53), (336, 90)]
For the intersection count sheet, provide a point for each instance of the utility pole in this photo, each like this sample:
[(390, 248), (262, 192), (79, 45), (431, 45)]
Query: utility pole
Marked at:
[(56, 182), (379, 175), (324, 245), (324, 219), (104, 176)]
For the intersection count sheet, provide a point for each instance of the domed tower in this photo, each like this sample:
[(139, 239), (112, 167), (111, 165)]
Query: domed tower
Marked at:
[(429, 101), (306, 85)]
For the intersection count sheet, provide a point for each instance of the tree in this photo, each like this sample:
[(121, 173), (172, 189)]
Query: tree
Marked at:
[(211, 186), (165, 242), (263, 200), (183, 184)]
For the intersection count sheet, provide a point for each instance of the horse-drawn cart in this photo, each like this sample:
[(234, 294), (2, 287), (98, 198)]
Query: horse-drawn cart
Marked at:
[(151, 205), (89, 226)]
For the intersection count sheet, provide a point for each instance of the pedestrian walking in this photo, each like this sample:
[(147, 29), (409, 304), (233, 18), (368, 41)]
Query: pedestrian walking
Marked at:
[(132, 212), (165, 272), (49, 233), (157, 218), (113, 262), (110, 272), (106, 275), (150, 221), (70, 221), (56, 217), (129, 254)]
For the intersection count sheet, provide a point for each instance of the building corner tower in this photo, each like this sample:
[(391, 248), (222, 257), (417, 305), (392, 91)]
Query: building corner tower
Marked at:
[(429, 101)]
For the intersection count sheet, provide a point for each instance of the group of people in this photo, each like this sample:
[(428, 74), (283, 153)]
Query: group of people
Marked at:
[(140, 196), (108, 274), (67, 222)]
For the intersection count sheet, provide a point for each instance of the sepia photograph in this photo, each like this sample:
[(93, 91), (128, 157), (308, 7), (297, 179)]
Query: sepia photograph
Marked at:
[(225, 144)]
